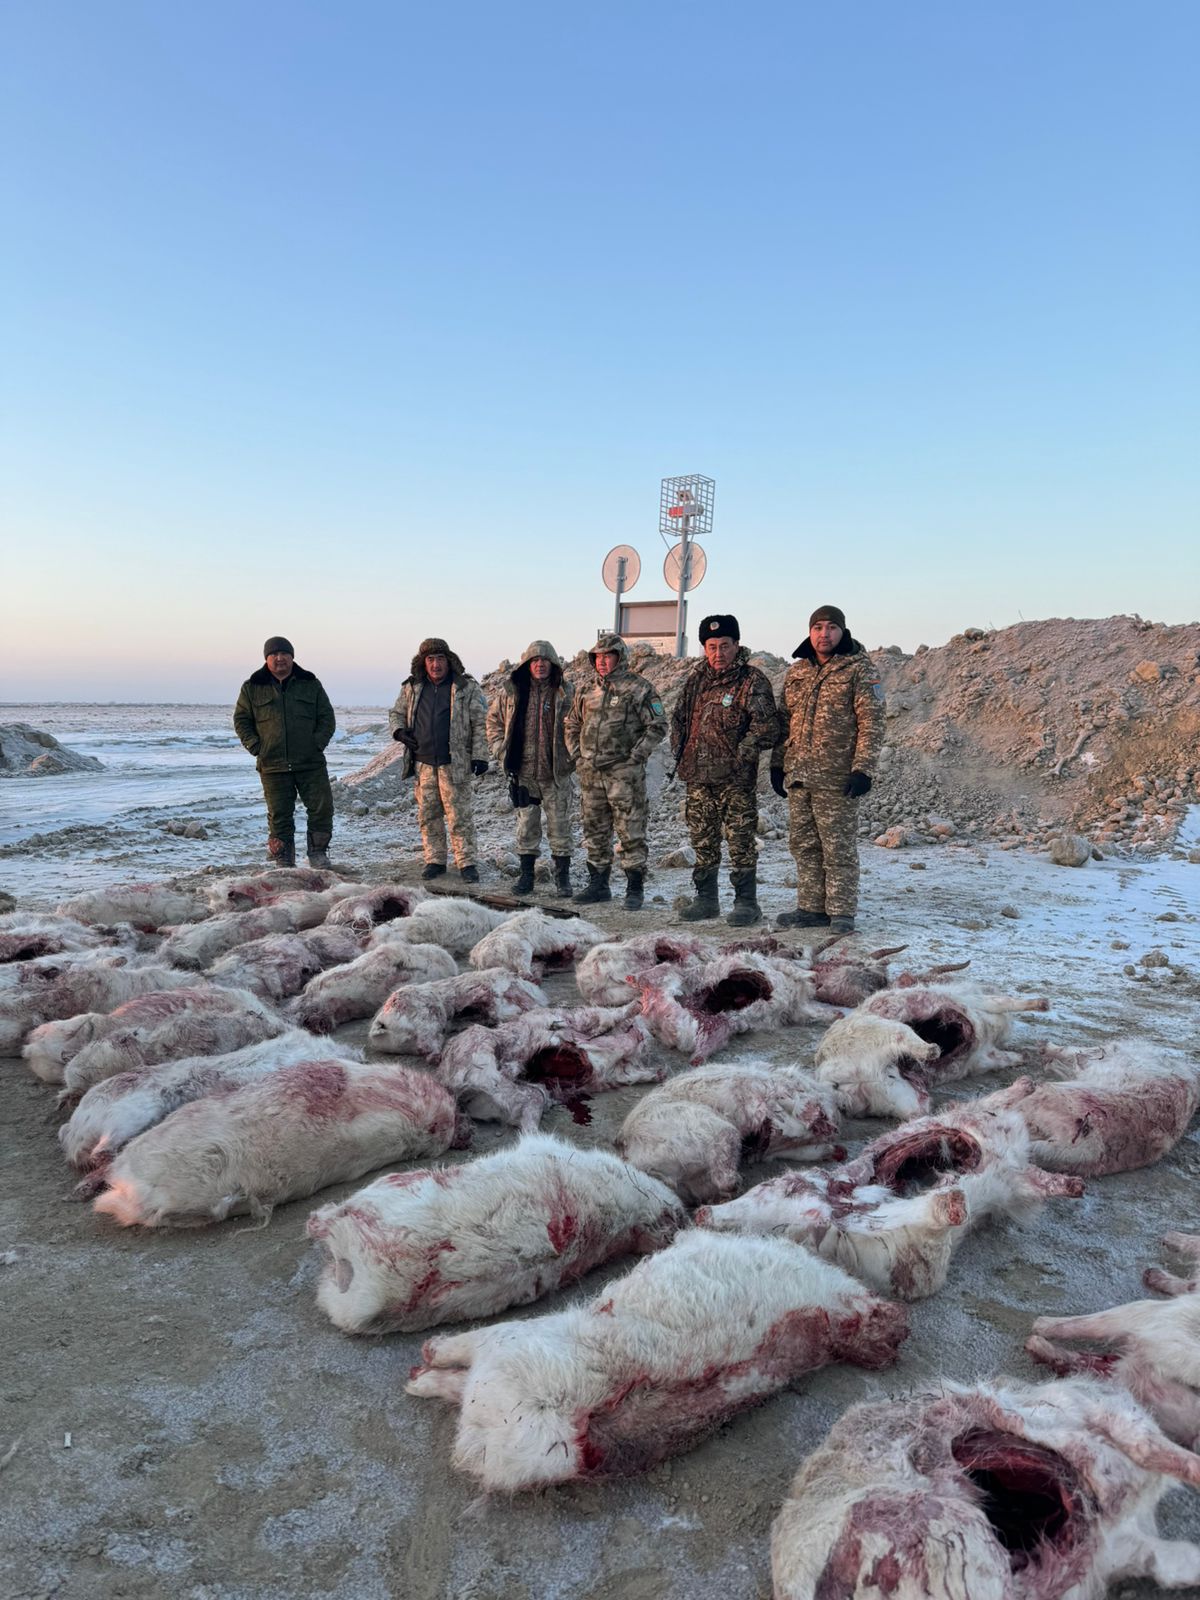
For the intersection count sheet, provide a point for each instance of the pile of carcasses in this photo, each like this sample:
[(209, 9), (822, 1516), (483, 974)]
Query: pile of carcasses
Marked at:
[(190, 1034)]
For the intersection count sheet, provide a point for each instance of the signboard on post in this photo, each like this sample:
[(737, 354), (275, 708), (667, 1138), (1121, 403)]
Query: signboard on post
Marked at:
[(649, 622)]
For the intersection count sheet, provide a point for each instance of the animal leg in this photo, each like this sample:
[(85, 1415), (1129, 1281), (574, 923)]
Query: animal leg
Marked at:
[(1167, 1283), (1068, 1362), (1114, 1325), (1173, 1563)]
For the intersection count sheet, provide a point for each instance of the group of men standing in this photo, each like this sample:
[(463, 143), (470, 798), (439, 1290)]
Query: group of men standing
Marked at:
[(824, 739)]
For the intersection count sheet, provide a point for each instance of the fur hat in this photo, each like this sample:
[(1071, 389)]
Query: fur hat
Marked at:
[(277, 643), (433, 647), (832, 614), (719, 626)]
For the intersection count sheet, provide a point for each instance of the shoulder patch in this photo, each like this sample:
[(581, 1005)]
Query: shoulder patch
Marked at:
[(656, 706), (877, 689)]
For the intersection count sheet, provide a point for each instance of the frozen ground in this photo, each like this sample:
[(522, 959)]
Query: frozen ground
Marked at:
[(182, 1421)]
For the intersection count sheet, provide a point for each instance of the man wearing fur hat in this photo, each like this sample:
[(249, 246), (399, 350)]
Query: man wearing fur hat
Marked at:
[(525, 733), (724, 719), (614, 723), (284, 718), (439, 717), (832, 714)]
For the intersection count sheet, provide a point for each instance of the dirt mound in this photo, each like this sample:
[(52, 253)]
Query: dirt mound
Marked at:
[(28, 752)]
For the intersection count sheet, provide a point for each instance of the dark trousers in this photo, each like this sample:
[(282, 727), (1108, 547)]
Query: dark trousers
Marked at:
[(311, 785)]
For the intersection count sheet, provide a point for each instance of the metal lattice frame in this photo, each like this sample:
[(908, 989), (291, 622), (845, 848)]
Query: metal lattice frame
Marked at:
[(701, 490)]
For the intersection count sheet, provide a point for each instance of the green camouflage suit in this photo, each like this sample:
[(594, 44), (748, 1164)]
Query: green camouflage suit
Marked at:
[(549, 790), (833, 721), (444, 792), (612, 726)]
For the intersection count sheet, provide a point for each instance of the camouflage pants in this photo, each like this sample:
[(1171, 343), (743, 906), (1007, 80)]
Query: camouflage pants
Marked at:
[(281, 789), (711, 809), (441, 800), (614, 799), (555, 800), (823, 838)]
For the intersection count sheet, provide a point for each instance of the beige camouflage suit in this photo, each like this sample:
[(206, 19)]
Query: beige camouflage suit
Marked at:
[(613, 725), (443, 792), (544, 774), (833, 722)]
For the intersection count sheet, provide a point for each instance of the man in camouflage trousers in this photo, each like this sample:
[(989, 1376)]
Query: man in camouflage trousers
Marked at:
[(832, 713), (525, 726), (614, 723), (439, 717), (724, 719)]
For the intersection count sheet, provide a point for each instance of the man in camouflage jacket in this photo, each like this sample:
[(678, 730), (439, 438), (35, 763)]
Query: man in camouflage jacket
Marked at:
[(525, 730), (284, 718), (724, 719), (614, 723), (832, 713), (439, 717)]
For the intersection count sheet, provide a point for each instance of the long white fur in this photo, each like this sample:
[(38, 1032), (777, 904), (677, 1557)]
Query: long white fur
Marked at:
[(676, 1015), (362, 985), (452, 921), (261, 888), (415, 1019), (603, 975), (386, 902), (530, 942), (146, 905), (279, 966), (25, 935), (199, 944), (864, 1059), (58, 988)]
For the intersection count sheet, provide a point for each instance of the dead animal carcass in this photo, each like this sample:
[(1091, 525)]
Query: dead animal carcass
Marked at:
[(529, 943), (603, 976), (415, 1019), (698, 1008), (361, 986)]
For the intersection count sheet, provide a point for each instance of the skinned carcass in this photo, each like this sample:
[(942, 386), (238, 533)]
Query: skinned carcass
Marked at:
[(967, 1025), (147, 906), (1154, 1346), (875, 1067), (901, 1242), (25, 935), (199, 944), (360, 987), (603, 976), (1128, 1104), (452, 921), (164, 1026), (117, 1109), (688, 1338), (698, 1008), (367, 908), (510, 1073), (415, 1019), (1003, 1491), (54, 988), (529, 943), (279, 966), (694, 1130), (419, 1248), (261, 888), (279, 1138)]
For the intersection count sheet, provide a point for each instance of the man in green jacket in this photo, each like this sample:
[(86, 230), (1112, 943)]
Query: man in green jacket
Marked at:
[(284, 718)]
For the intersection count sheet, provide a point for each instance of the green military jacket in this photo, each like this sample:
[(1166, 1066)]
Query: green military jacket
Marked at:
[(832, 718), (614, 721), (284, 729), (722, 723)]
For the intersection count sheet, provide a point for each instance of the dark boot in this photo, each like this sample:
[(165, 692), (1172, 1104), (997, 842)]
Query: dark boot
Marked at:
[(746, 909), (597, 886), (434, 869), (800, 918), (562, 877), (524, 883), (841, 924), (707, 903), (282, 852), (635, 880), (469, 874), (318, 849)]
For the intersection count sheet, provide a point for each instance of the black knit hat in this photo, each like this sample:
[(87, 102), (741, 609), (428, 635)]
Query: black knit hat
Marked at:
[(833, 614), (719, 627), (277, 644)]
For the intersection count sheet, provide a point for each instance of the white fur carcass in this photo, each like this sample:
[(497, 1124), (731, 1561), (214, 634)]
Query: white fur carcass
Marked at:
[(419, 1248), (876, 1067), (693, 1131), (367, 908), (415, 1019), (51, 988), (1154, 1346), (147, 906), (866, 1218), (530, 943), (691, 1336), (452, 921), (967, 1024), (24, 935), (511, 1073), (280, 965), (117, 1109), (603, 976), (1004, 1491), (199, 944), (1129, 1103), (362, 985), (698, 1008), (280, 1138), (261, 888)]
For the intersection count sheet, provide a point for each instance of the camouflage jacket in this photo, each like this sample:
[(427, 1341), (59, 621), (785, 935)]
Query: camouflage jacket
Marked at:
[(722, 723), (468, 712), (832, 717), (506, 714), (614, 721)]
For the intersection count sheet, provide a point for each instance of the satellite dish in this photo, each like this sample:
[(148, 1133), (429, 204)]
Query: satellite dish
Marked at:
[(633, 568), (697, 564)]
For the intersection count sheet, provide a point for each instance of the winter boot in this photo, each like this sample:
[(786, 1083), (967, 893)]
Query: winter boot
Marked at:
[(800, 918), (469, 874), (524, 883), (841, 924), (597, 886), (434, 869), (745, 898), (562, 877), (318, 849), (706, 905), (635, 880), (282, 852)]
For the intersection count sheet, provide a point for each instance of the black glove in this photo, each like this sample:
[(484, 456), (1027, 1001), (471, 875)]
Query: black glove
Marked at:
[(404, 737), (777, 782), (857, 785), (478, 768), (518, 794)]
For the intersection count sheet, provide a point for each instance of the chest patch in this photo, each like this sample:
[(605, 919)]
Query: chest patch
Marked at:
[(726, 699), (657, 707)]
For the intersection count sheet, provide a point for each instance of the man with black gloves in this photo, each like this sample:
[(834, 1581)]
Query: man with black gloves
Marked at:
[(832, 715), (284, 718), (724, 719), (525, 729)]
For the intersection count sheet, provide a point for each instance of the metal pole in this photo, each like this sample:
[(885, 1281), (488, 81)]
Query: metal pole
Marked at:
[(685, 561), (620, 592)]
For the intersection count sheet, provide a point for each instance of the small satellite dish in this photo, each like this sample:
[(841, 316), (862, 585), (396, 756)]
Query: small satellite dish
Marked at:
[(633, 568), (697, 564)]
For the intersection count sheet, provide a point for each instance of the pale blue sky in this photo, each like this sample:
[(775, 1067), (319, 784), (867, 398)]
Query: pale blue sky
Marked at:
[(361, 322)]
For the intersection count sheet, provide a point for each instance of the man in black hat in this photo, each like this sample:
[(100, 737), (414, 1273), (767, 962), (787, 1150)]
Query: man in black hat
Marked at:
[(284, 718), (724, 719)]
